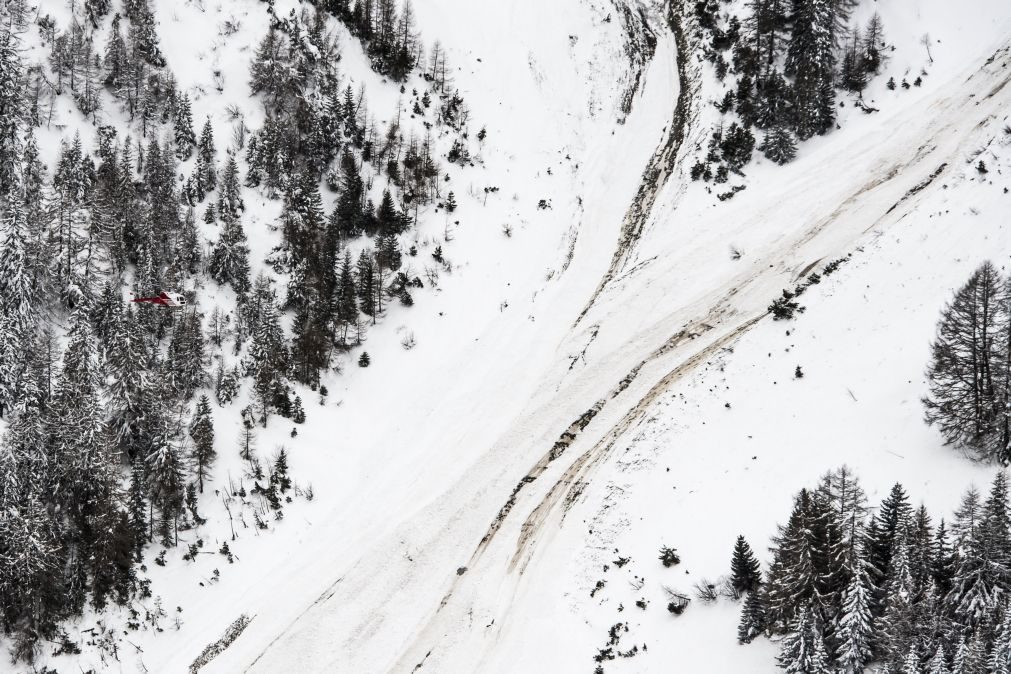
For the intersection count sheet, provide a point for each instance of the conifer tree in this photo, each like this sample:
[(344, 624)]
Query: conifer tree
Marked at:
[(753, 617), (811, 59), (188, 248), (898, 624), (887, 525), (117, 59), (970, 657), (229, 263), (856, 624), (983, 571), (11, 112), (911, 665), (791, 580), (350, 222), (1000, 655), (778, 145), (962, 380), (268, 356), (774, 104), (230, 194), (19, 301), (207, 154), (165, 480), (129, 385), (367, 285), (873, 44), (746, 573), (802, 650), (968, 516), (202, 433), (185, 139), (346, 304), (938, 664), (943, 557), (140, 523), (279, 476)]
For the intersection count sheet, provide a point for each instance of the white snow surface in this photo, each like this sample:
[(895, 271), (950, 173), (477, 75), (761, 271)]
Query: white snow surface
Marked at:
[(402, 562)]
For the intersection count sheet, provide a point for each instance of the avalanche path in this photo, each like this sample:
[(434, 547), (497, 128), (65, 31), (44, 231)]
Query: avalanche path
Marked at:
[(433, 556)]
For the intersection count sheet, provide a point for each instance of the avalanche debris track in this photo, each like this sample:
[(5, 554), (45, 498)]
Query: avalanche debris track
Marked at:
[(530, 508), (669, 153), (398, 612)]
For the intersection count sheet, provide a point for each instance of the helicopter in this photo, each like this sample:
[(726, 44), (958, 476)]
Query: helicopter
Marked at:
[(164, 299)]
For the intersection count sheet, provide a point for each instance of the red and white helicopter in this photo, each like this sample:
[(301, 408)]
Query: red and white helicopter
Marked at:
[(170, 300)]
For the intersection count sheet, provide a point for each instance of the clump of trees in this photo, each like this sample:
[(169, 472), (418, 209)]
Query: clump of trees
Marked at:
[(110, 437), (969, 374), (782, 68), (851, 588), (389, 37)]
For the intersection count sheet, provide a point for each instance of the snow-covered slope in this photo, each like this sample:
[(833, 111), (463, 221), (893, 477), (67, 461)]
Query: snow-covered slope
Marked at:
[(483, 579), (566, 400)]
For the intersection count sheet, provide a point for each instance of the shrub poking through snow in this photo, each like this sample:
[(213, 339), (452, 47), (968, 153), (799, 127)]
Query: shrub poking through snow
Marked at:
[(669, 556), (783, 308)]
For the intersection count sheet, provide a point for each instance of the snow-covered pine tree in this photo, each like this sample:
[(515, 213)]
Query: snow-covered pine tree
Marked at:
[(312, 338), (897, 627), (810, 58), (20, 302), (767, 27), (188, 247), (166, 482), (886, 528), (943, 560), (853, 70), (12, 112), (802, 650), (230, 193), (774, 105), (938, 664), (856, 626), (911, 664), (129, 383), (984, 571), (117, 58), (970, 658), (346, 303), (791, 579), (186, 362), (367, 284), (753, 616), (348, 212), (1000, 655), (268, 355), (209, 175), (968, 516), (229, 263), (202, 432)]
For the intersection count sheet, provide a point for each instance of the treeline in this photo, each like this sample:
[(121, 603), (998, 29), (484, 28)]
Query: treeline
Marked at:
[(784, 59), (969, 374), (850, 589)]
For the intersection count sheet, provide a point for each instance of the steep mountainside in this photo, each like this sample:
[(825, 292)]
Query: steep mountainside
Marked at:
[(481, 309)]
